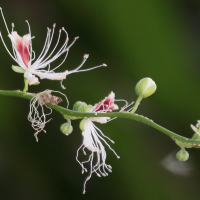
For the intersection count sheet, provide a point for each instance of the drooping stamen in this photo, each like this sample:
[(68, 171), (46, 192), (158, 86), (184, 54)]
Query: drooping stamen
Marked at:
[(4, 20)]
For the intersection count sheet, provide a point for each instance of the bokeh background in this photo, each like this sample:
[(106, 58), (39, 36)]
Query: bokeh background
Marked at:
[(136, 39)]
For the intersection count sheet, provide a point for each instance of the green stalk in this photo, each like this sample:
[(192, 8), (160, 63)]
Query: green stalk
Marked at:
[(137, 103), (187, 142), (25, 85)]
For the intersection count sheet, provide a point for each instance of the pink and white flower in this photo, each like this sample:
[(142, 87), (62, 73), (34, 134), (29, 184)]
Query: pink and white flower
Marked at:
[(93, 138), (24, 55)]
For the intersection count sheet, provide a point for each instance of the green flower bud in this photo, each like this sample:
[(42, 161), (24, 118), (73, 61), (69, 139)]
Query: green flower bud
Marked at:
[(80, 106), (17, 69), (182, 155), (145, 87), (196, 137), (81, 125), (66, 128), (88, 108)]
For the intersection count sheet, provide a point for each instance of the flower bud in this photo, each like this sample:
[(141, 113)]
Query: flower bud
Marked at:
[(196, 137), (145, 87), (17, 69), (182, 155), (88, 108), (81, 125), (80, 106), (66, 128)]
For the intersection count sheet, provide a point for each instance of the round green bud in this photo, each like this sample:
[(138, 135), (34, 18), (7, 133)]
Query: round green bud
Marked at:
[(88, 108), (66, 128), (145, 87), (182, 155), (80, 106), (81, 125)]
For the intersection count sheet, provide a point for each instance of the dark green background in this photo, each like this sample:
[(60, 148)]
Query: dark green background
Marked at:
[(136, 39)]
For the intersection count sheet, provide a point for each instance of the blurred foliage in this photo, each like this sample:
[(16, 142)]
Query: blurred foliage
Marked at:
[(136, 39)]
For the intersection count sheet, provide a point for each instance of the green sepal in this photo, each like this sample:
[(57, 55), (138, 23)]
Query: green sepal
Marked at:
[(18, 69), (37, 83), (81, 125)]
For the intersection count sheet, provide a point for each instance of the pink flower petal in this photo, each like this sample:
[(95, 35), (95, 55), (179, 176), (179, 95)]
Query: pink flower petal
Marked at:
[(106, 105), (22, 45)]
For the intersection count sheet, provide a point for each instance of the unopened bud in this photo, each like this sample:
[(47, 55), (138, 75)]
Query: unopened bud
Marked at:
[(182, 155), (17, 69), (196, 137), (145, 87), (80, 106), (66, 128), (88, 108), (81, 125)]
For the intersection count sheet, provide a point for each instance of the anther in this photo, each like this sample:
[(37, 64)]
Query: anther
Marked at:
[(86, 56), (104, 65), (109, 166), (109, 170)]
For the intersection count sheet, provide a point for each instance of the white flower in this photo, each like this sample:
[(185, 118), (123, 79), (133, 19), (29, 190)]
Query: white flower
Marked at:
[(24, 55), (93, 138)]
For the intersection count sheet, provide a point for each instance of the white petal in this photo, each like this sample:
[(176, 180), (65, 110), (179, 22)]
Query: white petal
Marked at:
[(101, 120), (31, 78), (50, 75)]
